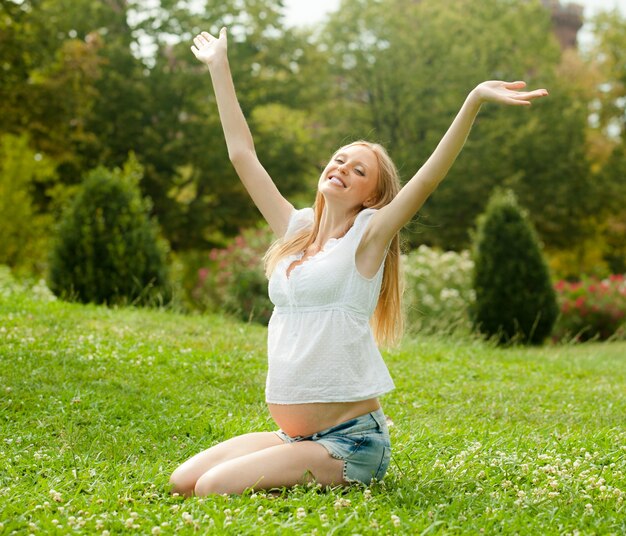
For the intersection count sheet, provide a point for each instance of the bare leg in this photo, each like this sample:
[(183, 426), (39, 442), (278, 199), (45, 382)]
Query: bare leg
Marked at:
[(184, 478), (284, 465)]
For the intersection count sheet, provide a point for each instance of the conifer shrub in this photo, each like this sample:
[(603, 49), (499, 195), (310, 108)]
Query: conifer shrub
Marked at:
[(107, 248), (515, 300)]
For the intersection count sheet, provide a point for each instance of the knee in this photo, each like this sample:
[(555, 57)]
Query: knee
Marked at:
[(213, 482), (181, 483)]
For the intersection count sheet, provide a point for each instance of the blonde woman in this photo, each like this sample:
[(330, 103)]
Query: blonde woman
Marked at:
[(334, 280)]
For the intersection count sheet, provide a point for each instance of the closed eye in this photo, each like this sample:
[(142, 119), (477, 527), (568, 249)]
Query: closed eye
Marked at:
[(358, 170)]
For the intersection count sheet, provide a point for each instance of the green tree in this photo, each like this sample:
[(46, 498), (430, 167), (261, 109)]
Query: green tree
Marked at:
[(77, 81), (609, 56), (197, 194), (515, 300), (614, 224), (405, 68), (608, 59)]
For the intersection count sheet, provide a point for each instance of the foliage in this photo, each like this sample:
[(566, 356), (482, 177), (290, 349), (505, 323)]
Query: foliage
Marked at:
[(77, 80), (90, 81), (405, 69), (438, 290), (614, 228), (283, 131), (107, 249), (235, 281), (11, 287), (588, 259), (609, 55), (607, 128), (100, 406), (591, 309), (515, 300), (24, 228)]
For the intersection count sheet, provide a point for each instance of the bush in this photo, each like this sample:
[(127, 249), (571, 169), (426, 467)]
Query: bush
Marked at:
[(515, 300), (438, 290), (591, 309), (24, 228), (107, 249), (234, 280), (34, 289)]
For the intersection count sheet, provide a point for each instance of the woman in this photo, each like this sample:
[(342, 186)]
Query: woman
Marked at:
[(334, 267)]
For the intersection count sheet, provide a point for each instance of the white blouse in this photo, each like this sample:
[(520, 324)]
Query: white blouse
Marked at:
[(320, 344)]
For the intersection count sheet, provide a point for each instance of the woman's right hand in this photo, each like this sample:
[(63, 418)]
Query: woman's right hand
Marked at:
[(209, 49)]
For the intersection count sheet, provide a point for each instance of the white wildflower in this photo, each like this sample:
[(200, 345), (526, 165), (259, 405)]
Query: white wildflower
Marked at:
[(342, 503)]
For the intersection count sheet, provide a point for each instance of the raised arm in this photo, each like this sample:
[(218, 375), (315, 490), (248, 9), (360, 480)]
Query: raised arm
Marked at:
[(273, 206), (391, 218)]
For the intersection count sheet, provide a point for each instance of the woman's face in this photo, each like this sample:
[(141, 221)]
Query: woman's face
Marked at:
[(350, 178)]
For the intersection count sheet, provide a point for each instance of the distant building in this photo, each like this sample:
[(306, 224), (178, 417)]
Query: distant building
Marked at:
[(567, 19)]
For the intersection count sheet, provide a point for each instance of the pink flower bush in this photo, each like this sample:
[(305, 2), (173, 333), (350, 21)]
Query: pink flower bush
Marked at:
[(591, 309), (233, 280)]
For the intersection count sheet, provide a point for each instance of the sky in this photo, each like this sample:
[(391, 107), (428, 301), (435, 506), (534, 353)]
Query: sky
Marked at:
[(302, 12)]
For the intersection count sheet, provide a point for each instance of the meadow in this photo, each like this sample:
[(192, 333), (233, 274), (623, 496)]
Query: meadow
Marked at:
[(98, 406)]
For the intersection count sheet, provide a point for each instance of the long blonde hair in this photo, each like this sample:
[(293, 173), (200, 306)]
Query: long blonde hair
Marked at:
[(386, 322)]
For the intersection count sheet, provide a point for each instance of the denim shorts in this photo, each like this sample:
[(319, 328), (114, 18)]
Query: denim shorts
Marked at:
[(362, 443)]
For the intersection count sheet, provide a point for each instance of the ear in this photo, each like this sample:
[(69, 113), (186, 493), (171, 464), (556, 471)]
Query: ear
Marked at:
[(369, 202)]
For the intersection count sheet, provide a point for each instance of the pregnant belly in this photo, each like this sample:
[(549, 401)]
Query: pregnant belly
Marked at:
[(307, 419)]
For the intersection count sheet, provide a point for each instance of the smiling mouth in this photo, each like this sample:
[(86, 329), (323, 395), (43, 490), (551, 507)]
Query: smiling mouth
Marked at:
[(336, 180)]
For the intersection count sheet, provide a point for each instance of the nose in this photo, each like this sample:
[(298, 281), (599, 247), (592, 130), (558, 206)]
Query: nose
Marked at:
[(343, 168)]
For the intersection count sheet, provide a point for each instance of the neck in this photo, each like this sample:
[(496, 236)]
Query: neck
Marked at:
[(334, 223)]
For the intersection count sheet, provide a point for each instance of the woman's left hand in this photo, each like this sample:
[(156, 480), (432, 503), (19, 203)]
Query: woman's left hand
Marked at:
[(507, 93)]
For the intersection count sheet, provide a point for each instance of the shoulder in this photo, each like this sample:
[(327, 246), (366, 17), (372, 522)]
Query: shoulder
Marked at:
[(367, 213), (361, 228), (363, 217), (299, 219), (370, 251)]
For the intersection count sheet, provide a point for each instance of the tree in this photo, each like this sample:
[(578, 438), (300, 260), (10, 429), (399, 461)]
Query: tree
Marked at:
[(515, 300), (405, 68), (608, 60), (197, 194), (609, 56), (80, 85)]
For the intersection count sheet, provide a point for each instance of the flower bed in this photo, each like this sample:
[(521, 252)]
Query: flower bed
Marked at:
[(438, 290), (591, 309), (233, 280)]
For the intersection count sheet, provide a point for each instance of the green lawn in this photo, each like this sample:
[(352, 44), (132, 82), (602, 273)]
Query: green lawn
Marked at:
[(98, 406)]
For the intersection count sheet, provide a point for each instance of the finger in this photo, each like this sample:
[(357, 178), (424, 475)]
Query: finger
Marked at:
[(533, 94), (195, 50), (198, 42), (223, 32), (517, 102), (515, 85), (207, 36)]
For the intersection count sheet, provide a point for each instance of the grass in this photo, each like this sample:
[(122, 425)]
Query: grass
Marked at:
[(98, 406)]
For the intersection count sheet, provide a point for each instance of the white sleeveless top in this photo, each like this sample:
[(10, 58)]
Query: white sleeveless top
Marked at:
[(320, 344)]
